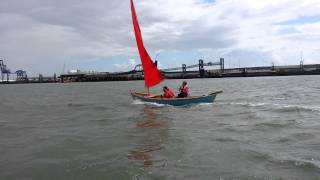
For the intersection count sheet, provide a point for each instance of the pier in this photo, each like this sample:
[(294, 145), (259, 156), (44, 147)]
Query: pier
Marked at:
[(183, 72)]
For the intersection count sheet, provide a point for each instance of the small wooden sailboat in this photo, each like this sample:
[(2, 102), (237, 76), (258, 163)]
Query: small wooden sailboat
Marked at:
[(152, 75), (175, 101)]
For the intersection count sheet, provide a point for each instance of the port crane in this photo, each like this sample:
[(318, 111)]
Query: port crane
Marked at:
[(4, 70), (5, 73)]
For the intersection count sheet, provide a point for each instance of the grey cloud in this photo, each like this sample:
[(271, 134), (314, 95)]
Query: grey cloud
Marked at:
[(43, 34)]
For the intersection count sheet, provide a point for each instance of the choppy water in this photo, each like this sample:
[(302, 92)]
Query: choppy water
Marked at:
[(259, 128)]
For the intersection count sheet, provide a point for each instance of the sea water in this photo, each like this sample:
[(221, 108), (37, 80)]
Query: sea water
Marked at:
[(258, 128)]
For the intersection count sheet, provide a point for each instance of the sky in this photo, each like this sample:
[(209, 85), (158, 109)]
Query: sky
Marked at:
[(52, 36)]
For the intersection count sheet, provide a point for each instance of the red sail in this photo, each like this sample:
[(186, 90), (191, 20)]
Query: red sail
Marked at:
[(152, 75)]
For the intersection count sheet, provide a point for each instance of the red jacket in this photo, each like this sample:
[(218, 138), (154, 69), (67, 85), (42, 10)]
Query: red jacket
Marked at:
[(184, 89), (168, 94)]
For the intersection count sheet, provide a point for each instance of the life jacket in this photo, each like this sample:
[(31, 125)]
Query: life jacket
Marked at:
[(184, 89), (168, 94)]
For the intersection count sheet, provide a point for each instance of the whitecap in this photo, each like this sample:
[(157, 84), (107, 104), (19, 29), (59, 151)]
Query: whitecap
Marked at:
[(139, 102)]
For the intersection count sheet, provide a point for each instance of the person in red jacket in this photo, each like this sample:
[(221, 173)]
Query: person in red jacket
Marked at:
[(184, 90), (167, 93)]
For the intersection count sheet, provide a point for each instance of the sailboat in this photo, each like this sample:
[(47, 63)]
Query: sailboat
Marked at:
[(153, 76)]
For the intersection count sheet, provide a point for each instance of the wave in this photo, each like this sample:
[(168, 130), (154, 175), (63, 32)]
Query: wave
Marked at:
[(295, 137), (286, 162), (225, 139), (272, 125), (299, 107), (247, 104), (99, 108), (281, 107), (303, 136), (76, 105), (300, 163)]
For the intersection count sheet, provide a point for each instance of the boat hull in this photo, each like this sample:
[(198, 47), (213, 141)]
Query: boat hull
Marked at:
[(174, 101)]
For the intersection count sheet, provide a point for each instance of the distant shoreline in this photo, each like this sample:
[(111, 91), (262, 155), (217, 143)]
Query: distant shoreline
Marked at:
[(293, 70), (234, 75)]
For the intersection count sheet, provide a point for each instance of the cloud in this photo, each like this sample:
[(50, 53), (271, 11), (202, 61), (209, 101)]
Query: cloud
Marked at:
[(42, 35), (127, 66)]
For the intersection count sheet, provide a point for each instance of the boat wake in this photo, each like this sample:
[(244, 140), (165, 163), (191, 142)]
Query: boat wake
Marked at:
[(204, 104), (281, 107), (139, 102)]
